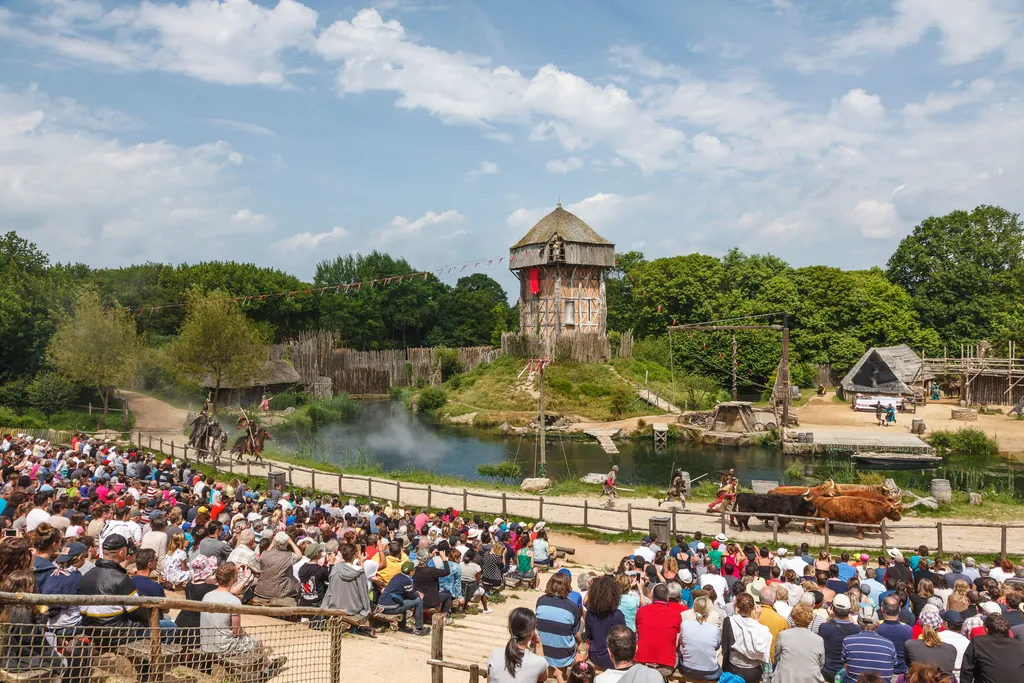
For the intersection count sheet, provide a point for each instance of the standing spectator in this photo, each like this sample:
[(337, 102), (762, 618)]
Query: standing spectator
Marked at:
[(994, 657), (746, 643), (699, 642), (929, 649), (867, 651), (558, 622), (277, 586), (657, 631), (602, 615), (894, 630), (799, 654), (516, 662)]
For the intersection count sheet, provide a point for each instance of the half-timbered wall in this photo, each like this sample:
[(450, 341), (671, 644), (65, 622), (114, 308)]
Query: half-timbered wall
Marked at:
[(571, 301)]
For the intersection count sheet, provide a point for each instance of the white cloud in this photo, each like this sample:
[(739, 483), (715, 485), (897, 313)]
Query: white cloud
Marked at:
[(563, 166), (860, 105), (485, 168), (876, 219), (968, 29), (604, 212), (947, 101), (243, 126), (234, 42), (400, 226), (86, 197), (465, 89), (309, 241)]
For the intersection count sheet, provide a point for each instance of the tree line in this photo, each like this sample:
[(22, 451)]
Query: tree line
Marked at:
[(955, 279)]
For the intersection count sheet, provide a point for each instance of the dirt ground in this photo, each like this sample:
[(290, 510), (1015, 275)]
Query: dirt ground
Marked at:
[(826, 412)]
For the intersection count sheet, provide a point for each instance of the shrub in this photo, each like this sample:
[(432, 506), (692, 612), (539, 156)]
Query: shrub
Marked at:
[(50, 392), (504, 471), (288, 399), (562, 386), (14, 393), (622, 398), (968, 441), (432, 398), (594, 390), (453, 383), (449, 361), (339, 407), (9, 418)]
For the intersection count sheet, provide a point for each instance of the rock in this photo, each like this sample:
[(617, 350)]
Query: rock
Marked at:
[(289, 410), (466, 419), (593, 478), (975, 499), (535, 484), (964, 414), (504, 428)]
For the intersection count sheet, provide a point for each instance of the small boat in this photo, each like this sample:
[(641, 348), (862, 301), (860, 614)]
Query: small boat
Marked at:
[(907, 460)]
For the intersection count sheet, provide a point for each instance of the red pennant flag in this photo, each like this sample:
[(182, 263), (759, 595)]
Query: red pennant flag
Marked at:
[(501, 259), (463, 267), (490, 261), (293, 293), (305, 291), (476, 264), (659, 308)]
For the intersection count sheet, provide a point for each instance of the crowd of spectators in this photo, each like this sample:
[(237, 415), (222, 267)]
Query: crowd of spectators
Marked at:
[(93, 518), (714, 610)]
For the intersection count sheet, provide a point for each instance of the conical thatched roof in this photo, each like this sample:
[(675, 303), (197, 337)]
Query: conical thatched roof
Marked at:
[(567, 225), (886, 370)]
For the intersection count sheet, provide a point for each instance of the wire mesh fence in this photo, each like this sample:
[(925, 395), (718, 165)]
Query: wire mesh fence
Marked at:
[(33, 648)]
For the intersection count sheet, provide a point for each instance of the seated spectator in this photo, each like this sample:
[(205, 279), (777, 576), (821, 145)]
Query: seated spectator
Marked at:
[(774, 621), (156, 539), (542, 550), (23, 645), (400, 596), (799, 653), (994, 657), (746, 643), (174, 569), (657, 629), (699, 642), (145, 559), (201, 582), (929, 650), (471, 576), (427, 581), (516, 662), (65, 580), (347, 585), (558, 622), (222, 634), (622, 651), (631, 597), (867, 651), (277, 585), (602, 614)]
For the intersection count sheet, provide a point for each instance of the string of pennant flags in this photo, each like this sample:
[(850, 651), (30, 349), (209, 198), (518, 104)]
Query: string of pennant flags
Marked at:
[(348, 287)]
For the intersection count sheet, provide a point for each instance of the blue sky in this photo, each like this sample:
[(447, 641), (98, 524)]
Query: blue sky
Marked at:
[(441, 130)]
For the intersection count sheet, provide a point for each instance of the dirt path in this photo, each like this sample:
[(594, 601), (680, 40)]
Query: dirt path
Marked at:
[(153, 415)]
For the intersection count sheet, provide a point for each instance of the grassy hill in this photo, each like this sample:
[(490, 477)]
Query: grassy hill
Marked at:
[(494, 391)]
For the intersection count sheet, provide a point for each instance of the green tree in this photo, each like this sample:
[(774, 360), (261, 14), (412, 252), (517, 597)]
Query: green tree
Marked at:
[(97, 346), (963, 271), (50, 392), (619, 291), (217, 343)]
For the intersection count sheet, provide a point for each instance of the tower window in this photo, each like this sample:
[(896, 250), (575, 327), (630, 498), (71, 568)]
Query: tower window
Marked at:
[(570, 313)]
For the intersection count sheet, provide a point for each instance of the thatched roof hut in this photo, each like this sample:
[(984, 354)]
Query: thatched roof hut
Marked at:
[(274, 374), (886, 370), (561, 237)]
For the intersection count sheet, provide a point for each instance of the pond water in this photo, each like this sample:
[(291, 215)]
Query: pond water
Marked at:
[(388, 434)]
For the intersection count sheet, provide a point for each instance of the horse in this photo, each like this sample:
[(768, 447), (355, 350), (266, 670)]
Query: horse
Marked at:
[(252, 444)]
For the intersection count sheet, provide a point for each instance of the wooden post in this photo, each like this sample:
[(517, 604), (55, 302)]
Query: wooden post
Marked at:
[(369, 487), (430, 497), (629, 517), (775, 530), (543, 442), (150, 441), (827, 522), (341, 489), (675, 529), (172, 450), (398, 493), (161, 445), (504, 505), (474, 673), (1002, 542), (312, 478), (248, 468), (885, 545), (540, 513), (735, 368), (290, 468), (154, 643), (437, 647), (722, 520), (938, 533), (465, 499), (784, 370), (586, 511), (336, 631)]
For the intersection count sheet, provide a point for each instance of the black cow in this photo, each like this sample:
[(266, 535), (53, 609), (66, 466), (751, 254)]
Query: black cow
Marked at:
[(762, 504)]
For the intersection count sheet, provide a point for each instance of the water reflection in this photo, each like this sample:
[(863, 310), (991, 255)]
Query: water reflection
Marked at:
[(398, 440)]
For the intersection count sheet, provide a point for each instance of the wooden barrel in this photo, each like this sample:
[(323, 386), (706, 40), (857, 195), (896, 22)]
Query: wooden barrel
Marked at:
[(808, 437), (941, 490)]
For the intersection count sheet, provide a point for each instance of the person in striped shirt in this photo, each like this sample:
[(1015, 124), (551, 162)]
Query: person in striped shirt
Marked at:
[(558, 622), (868, 652)]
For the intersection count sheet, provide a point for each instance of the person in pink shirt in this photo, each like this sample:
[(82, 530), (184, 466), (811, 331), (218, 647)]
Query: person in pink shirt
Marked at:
[(102, 492), (421, 519)]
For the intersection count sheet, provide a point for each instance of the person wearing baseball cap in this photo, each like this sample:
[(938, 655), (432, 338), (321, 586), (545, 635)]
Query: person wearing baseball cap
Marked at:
[(399, 596), (110, 578), (833, 632), (65, 580)]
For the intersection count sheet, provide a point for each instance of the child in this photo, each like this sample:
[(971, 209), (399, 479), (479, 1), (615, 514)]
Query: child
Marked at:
[(581, 672)]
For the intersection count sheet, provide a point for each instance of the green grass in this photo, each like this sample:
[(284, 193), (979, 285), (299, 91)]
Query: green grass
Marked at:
[(584, 389), (70, 419), (687, 392)]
